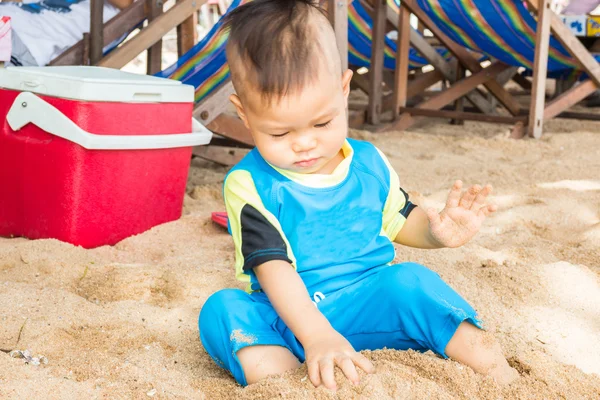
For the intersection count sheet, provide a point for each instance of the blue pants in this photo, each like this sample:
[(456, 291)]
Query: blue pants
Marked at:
[(405, 306)]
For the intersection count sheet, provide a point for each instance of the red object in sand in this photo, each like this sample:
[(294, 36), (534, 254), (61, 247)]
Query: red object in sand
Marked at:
[(220, 218), (92, 155), (5, 39)]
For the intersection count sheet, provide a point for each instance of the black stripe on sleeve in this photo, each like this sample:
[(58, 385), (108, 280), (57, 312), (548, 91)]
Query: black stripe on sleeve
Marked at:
[(408, 206), (261, 241)]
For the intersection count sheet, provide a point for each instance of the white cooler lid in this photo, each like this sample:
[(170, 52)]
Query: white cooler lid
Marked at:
[(95, 84)]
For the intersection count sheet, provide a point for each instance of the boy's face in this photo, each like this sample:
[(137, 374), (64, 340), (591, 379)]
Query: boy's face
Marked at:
[(303, 132)]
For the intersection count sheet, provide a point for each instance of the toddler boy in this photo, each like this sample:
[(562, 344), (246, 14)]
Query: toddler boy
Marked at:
[(314, 215)]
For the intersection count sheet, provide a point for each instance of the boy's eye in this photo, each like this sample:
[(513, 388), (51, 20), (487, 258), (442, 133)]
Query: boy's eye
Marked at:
[(324, 125), (279, 135)]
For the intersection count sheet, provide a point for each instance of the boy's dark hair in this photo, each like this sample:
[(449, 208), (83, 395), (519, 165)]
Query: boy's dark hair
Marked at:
[(274, 41)]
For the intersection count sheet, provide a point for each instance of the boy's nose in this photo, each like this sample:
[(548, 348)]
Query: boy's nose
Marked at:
[(304, 144)]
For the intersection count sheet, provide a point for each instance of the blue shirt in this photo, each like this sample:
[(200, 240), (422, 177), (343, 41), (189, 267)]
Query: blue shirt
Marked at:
[(331, 228)]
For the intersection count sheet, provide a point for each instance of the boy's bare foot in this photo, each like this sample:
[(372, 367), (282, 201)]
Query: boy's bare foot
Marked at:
[(504, 375), (480, 351)]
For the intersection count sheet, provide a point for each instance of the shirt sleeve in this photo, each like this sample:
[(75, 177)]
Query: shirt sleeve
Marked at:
[(256, 233), (397, 205)]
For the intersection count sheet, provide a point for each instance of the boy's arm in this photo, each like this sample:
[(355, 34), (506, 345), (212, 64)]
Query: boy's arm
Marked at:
[(416, 232), (324, 347)]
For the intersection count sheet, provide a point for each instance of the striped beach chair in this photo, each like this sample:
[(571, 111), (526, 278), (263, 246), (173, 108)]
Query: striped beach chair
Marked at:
[(514, 33), (362, 52)]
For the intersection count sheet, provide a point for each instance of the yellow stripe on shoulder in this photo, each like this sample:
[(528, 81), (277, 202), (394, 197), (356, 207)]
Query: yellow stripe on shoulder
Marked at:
[(392, 219), (240, 191)]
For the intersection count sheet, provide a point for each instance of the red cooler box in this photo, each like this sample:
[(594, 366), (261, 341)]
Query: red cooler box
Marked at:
[(92, 155)]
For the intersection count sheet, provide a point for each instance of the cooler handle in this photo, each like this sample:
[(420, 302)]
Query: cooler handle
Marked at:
[(29, 108)]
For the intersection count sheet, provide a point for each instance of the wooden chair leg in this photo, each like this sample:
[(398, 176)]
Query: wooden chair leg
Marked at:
[(186, 35), (518, 131), (154, 59), (85, 55), (459, 104), (96, 30), (338, 16), (402, 58), (377, 58), (540, 71)]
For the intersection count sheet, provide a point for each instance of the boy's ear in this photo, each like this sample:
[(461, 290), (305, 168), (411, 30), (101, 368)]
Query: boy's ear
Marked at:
[(235, 99), (346, 78)]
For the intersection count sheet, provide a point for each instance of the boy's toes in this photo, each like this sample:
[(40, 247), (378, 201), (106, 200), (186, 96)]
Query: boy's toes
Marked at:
[(509, 376)]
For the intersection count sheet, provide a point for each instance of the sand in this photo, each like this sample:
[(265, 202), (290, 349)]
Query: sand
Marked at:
[(121, 322)]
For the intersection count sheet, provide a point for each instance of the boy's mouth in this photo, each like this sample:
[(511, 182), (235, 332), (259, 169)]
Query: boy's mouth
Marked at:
[(307, 163)]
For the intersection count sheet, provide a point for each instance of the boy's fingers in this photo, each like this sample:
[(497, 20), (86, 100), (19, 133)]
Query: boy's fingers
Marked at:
[(363, 363), (314, 374), (326, 369), (467, 200), (348, 368), (454, 195), (481, 197)]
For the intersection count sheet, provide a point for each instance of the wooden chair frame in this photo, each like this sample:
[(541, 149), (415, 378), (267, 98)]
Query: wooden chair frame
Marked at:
[(152, 34), (121, 24), (444, 70), (463, 87), (85, 51)]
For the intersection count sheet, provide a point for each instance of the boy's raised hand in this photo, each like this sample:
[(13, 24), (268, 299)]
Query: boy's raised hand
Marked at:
[(462, 217), (329, 349)]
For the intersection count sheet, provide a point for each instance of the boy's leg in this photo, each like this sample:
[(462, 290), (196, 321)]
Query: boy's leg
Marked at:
[(258, 362), (480, 351), (408, 306), (239, 334)]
